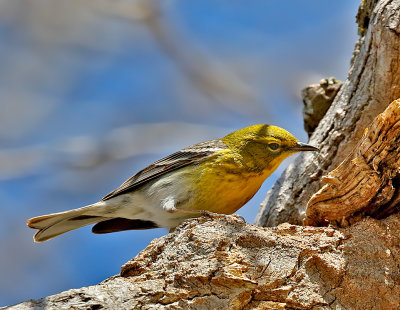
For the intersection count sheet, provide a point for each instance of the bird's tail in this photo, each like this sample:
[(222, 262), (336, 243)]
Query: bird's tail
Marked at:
[(52, 225)]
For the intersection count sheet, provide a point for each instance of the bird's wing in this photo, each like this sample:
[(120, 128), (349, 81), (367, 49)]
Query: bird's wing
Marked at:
[(187, 156)]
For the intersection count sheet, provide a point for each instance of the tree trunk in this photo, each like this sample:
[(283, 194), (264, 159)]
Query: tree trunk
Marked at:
[(372, 84)]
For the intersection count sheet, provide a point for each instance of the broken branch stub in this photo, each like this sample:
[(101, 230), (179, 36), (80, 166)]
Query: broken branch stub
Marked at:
[(367, 182)]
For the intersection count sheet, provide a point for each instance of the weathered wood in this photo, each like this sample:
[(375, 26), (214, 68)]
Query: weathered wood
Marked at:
[(373, 82), (225, 263), (366, 182), (317, 99)]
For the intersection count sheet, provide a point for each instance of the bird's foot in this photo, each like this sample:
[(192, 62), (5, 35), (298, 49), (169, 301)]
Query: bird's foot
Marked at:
[(206, 213), (239, 217), (189, 212), (211, 215), (219, 215), (197, 212)]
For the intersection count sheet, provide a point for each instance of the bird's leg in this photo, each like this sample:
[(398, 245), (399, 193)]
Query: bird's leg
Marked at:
[(219, 215), (193, 212), (239, 217), (169, 206), (208, 214)]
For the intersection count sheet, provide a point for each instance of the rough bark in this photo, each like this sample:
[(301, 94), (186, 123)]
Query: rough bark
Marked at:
[(367, 181), (317, 99), (224, 263), (373, 82)]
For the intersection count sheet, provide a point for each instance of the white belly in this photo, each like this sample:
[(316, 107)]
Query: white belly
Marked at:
[(152, 201)]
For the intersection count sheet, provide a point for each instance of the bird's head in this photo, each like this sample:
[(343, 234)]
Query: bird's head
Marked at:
[(264, 146)]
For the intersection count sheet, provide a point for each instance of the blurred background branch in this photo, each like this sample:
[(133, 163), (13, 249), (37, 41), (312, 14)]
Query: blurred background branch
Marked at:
[(64, 28)]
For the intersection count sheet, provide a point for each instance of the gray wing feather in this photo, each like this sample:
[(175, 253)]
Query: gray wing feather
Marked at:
[(185, 157)]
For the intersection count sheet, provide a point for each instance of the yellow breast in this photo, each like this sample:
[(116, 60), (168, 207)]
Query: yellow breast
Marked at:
[(224, 186)]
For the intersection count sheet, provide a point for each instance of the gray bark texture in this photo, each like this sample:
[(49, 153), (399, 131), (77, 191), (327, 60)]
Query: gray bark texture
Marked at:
[(224, 263), (372, 84), (317, 99)]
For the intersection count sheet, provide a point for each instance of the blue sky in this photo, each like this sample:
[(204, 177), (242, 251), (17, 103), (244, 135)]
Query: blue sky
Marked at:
[(88, 99)]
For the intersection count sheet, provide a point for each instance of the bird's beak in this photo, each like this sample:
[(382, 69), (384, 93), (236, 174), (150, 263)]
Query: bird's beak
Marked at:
[(299, 147)]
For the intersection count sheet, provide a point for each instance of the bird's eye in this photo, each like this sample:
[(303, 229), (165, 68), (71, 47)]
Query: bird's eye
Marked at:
[(273, 146)]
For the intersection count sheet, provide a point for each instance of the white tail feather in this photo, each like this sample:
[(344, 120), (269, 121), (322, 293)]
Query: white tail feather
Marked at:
[(52, 225)]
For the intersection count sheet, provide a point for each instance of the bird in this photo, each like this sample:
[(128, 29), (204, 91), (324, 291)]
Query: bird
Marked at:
[(217, 176)]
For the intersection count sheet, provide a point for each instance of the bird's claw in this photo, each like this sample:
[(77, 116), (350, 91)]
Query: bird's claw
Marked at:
[(209, 214), (213, 215), (239, 217)]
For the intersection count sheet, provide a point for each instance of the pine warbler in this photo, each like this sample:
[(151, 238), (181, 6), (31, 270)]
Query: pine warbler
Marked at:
[(217, 176)]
